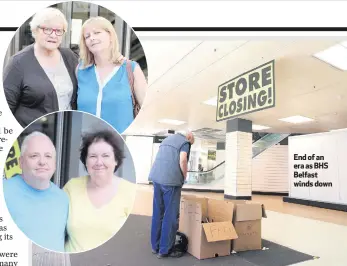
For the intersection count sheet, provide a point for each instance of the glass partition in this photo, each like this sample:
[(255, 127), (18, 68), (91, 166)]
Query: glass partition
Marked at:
[(206, 177), (217, 173)]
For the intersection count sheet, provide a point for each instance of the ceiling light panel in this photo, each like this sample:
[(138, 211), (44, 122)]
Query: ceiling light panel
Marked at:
[(171, 121), (335, 56), (297, 119)]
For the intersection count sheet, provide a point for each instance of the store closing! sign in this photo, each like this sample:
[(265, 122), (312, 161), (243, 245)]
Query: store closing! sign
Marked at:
[(250, 92)]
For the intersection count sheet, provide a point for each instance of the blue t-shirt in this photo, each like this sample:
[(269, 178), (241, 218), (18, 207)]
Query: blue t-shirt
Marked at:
[(40, 214), (186, 148)]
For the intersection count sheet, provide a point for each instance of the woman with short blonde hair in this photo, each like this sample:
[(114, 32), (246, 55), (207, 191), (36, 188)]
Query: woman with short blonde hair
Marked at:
[(41, 79), (109, 86), (47, 14)]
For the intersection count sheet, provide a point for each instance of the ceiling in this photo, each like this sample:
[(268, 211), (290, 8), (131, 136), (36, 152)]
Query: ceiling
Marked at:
[(184, 73)]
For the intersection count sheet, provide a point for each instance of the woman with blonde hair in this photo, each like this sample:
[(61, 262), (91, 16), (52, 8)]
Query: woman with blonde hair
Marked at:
[(41, 79), (109, 86)]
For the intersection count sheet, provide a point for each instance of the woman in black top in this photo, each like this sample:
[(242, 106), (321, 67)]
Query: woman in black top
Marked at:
[(41, 79)]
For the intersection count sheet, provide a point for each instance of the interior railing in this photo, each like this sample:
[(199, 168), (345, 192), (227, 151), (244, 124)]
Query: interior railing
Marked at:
[(216, 174)]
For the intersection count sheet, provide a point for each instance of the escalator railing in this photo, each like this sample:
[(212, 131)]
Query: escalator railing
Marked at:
[(216, 174), (205, 177), (267, 142)]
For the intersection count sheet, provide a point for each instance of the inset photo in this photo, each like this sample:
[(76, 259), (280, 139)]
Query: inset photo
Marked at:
[(75, 56), (70, 184)]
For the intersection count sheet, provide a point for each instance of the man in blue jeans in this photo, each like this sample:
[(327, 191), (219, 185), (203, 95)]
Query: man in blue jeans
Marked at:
[(168, 174)]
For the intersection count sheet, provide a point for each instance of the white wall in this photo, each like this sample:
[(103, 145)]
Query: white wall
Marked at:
[(220, 156), (155, 150), (141, 151), (210, 164), (197, 155), (270, 170), (331, 145)]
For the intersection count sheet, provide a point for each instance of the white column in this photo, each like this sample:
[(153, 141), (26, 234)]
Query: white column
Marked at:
[(238, 159)]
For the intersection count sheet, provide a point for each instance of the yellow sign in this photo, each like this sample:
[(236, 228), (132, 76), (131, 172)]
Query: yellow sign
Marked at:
[(211, 155), (251, 91), (12, 162)]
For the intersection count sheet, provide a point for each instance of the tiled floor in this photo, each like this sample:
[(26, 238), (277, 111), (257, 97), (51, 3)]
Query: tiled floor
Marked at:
[(316, 231)]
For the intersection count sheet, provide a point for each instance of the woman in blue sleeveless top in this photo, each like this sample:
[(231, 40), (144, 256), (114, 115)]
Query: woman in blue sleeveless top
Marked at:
[(103, 85)]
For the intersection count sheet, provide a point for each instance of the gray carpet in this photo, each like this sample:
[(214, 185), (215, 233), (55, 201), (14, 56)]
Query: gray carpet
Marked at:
[(131, 247)]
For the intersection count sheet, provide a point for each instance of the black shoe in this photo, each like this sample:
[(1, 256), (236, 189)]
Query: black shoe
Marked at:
[(161, 256), (154, 251), (176, 254)]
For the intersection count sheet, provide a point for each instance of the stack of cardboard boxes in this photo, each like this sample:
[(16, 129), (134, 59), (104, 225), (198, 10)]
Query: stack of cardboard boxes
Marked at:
[(216, 227)]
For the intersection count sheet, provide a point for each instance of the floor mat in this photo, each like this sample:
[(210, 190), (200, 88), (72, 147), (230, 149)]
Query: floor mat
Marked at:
[(131, 247), (274, 255)]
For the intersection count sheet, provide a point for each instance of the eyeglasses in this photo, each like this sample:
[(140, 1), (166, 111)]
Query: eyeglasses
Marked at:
[(49, 31)]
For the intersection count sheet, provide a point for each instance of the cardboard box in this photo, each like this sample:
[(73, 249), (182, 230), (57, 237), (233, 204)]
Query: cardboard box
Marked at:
[(247, 223), (181, 215), (184, 200), (210, 239)]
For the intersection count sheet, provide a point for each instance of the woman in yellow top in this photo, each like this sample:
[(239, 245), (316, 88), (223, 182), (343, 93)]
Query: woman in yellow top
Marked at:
[(100, 202)]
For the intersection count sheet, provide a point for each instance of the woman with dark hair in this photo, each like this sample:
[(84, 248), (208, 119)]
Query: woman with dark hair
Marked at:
[(99, 202)]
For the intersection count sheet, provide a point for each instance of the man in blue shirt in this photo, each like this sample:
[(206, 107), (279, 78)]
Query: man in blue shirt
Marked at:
[(37, 206), (168, 173)]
